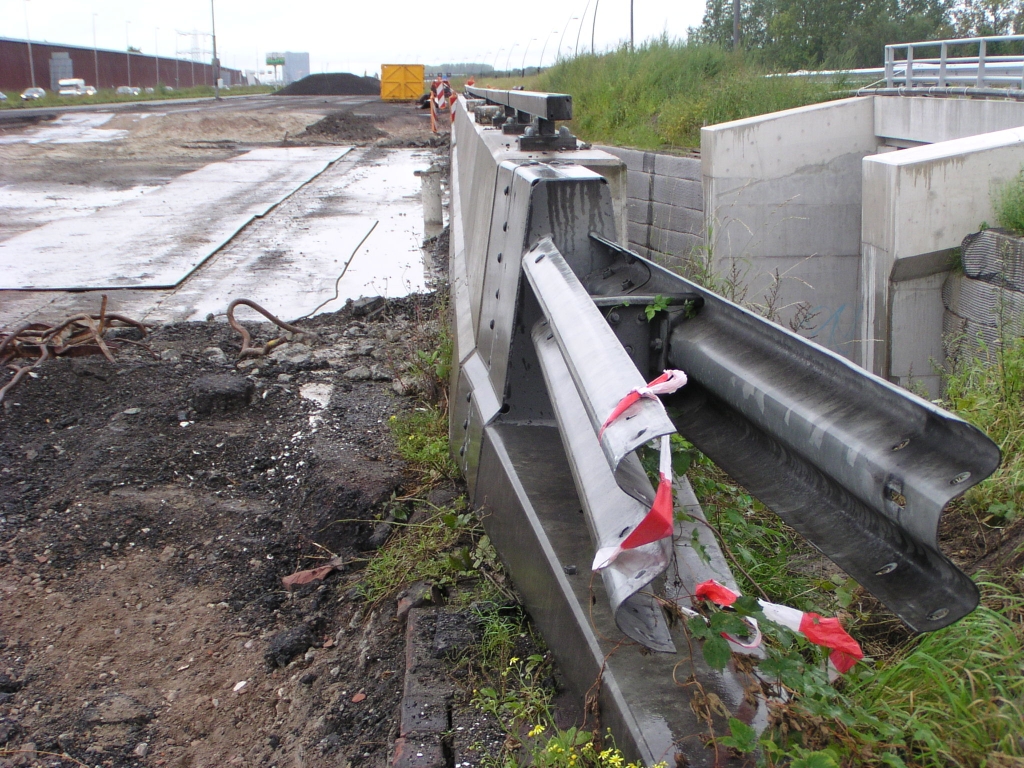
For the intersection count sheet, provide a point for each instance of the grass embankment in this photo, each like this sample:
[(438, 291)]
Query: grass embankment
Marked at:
[(659, 95), (110, 96)]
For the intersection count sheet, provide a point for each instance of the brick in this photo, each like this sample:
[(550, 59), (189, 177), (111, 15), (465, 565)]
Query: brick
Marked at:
[(678, 219), (423, 713)]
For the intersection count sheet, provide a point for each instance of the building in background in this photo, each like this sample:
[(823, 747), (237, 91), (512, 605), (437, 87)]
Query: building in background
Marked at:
[(100, 68), (294, 66)]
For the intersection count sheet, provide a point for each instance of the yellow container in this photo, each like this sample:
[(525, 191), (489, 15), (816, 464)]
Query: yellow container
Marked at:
[(401, 82)]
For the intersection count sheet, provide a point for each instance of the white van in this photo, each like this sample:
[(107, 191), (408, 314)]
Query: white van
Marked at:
[(72, 86)]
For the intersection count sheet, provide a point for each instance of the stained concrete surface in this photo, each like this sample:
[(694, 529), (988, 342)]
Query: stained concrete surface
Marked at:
[(289, 260)]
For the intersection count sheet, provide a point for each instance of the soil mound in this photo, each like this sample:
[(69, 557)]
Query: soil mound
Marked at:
[(346, 127), (333, 84)]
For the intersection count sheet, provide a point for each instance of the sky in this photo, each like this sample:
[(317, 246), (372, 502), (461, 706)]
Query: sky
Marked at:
[(353, 37)]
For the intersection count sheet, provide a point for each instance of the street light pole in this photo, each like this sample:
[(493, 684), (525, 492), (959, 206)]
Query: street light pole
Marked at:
[(544, 48), (509, 59), (128, 49), (578, 31), (631, 25), (562, 38), (216, 61), (532, 40), (95, 52), (593, 27), (28, 39), (156, 54), (494, 66)]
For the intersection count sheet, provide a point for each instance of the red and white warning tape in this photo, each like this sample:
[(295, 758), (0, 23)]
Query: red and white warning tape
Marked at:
[(657, 523), (828, 633)]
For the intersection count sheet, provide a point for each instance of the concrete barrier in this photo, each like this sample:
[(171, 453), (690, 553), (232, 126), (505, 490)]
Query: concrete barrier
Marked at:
[(848, 211), (919, 204)]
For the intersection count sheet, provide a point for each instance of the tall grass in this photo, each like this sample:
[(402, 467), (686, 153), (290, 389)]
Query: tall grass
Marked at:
[(1009, 204), (660, 94), (957, 697), (989, 393)]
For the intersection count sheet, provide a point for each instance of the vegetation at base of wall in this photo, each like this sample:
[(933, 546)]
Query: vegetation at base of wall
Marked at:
[(1008, 201), (987, 392), (110, 96), (660, 94), (952, 697)]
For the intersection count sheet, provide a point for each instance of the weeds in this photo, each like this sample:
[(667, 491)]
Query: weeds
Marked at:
[(1008, 201), (988, 392), (421, 436)]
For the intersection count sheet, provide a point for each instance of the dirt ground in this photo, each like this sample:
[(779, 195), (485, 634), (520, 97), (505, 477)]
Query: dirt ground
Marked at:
[(149, 512), (144, 537)]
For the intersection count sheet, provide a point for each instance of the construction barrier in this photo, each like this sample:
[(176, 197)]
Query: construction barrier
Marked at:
[(401, 82)]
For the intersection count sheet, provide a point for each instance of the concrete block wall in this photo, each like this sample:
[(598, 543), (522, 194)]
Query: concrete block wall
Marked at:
[(665, 204)]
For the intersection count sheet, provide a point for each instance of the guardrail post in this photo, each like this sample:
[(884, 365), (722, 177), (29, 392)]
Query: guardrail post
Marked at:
[(981, 64), (909, 74), (943, 50), (890, 57)]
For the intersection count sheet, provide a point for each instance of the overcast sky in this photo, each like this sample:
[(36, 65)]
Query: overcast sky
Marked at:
[(349, 36)]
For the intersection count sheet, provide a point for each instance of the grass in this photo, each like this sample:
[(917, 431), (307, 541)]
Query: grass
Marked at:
[(1008, 201), (659, 95), (109, 96), (988, 392), (421, 436)]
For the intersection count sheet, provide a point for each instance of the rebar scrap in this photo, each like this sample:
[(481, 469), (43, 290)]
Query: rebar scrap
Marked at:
[(78, 335), (247, 349)]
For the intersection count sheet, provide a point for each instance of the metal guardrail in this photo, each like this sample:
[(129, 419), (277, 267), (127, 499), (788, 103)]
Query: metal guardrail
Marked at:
[(552, 329), (905, 66)]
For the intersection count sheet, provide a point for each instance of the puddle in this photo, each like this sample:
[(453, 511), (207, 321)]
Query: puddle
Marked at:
[(72, 128)]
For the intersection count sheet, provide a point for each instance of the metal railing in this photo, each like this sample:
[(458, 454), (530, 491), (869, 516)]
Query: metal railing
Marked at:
[(976, 67)]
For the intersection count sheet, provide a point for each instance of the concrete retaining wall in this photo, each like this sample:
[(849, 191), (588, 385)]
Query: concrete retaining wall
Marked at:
[(859, 233), (665, 204), (782, 196), (918, 205), (930, 121)]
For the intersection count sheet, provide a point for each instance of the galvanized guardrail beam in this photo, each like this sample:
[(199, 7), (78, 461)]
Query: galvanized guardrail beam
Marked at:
[(553, 327)]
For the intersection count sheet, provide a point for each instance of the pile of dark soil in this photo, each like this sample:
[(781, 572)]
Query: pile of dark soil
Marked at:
[(346, 127), (333, 84)]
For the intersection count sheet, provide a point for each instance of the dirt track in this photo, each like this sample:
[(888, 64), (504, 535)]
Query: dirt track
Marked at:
[(144, 532)]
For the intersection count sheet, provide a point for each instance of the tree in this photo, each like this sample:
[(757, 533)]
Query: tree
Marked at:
[(798, 34), (979, 18)]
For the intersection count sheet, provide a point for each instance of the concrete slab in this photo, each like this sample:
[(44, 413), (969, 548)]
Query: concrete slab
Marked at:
[(290, 260), (158, 239)]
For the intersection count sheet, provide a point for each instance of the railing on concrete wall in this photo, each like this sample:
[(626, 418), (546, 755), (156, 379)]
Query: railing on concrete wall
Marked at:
[(965, 62), (554, 322)]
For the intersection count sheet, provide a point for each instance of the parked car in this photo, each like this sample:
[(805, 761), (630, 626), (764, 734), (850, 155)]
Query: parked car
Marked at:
[(128, 90), (31, 94), (90, 90), (3, 96)]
